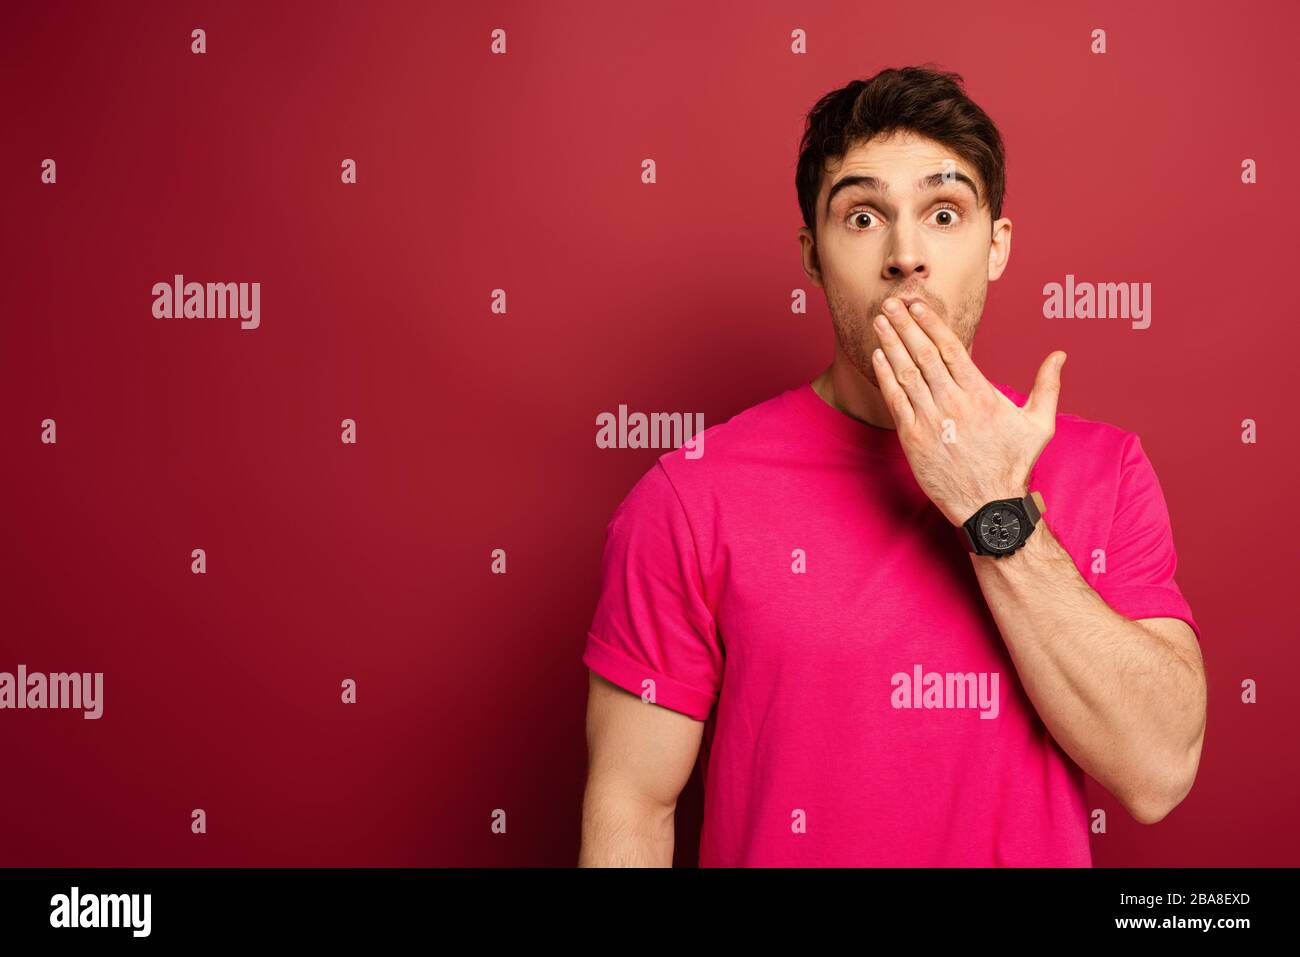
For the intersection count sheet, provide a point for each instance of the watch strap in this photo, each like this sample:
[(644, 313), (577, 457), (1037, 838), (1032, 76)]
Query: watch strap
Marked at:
[(1033, 506)]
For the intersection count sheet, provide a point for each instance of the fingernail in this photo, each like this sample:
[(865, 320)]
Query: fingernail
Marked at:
[(891, 305), (916, 309)]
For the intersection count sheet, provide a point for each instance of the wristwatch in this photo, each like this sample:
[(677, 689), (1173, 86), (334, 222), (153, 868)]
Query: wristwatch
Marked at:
[(1003, 525)]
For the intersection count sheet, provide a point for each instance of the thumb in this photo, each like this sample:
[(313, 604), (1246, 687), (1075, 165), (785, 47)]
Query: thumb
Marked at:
[(1041, 403)]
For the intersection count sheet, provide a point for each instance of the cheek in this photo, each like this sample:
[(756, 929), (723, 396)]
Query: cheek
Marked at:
[(850, 266), (852, 294)]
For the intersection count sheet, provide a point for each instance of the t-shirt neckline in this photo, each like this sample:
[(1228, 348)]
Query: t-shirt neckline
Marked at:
[(861, 434), (845, 427)]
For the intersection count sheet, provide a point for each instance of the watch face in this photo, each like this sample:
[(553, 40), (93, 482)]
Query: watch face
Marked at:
[(999, 528)]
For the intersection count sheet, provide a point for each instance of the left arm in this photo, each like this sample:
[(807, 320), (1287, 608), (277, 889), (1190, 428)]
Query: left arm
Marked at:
[(1125, 699)]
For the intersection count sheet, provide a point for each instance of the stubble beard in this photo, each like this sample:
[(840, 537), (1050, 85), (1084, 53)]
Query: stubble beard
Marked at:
[(857, 338)]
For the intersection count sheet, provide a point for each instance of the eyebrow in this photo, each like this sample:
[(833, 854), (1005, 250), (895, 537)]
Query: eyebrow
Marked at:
[(933, 181)]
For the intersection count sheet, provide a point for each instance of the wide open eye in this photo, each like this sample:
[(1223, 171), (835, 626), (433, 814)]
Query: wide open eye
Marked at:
[(951, 212), (853, 216)]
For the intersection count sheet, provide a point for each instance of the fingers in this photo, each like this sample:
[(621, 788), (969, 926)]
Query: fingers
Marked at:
[(961, 368), (899, 404), (904, 369), (921, 349), (1043, 398)]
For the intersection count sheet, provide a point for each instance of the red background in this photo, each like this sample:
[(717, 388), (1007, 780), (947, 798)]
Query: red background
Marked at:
[(477, 430)]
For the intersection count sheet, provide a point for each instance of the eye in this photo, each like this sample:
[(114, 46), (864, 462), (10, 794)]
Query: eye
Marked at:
[(952, 217), (951, 212), (860, 212)]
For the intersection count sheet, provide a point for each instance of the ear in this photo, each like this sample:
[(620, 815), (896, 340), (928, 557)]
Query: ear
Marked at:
[(999, 248), (812, 266)]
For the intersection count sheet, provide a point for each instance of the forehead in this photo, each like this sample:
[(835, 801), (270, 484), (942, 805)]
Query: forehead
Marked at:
[(898, 159)]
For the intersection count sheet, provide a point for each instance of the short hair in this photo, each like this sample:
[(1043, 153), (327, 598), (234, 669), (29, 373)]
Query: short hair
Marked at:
[(922, 99)]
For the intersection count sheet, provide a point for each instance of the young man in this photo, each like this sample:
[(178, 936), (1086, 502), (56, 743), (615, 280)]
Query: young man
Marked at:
[(891, 653)]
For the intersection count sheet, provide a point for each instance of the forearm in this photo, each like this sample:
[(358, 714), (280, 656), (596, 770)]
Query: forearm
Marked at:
[(1117, 698), (625, 832)]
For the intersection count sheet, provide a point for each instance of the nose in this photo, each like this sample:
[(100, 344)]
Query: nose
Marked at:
[(906, 256)]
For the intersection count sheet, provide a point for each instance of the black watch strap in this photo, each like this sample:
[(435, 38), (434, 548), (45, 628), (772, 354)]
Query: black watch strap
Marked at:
[(1033, 507)]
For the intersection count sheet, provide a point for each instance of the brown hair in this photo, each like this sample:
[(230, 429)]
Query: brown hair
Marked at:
[(927, 101)]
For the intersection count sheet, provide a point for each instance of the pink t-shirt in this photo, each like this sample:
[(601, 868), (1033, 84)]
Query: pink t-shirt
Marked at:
[(793, 587)]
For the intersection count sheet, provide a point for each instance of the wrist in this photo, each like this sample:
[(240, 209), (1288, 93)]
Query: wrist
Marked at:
[(1004, 524), (1028, 554), (994, 493)]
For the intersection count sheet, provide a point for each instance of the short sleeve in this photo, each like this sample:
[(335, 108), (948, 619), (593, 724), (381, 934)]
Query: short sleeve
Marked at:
[(651, 620), (1140, 558)]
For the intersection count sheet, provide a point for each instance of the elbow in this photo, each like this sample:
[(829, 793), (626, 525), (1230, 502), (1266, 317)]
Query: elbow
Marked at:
[(1152, 804), (1150, 811)]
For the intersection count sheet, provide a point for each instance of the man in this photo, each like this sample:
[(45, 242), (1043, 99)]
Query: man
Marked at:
[(851, 606)]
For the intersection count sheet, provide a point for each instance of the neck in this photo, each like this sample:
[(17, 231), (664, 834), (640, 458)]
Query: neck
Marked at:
[(846, 389)]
